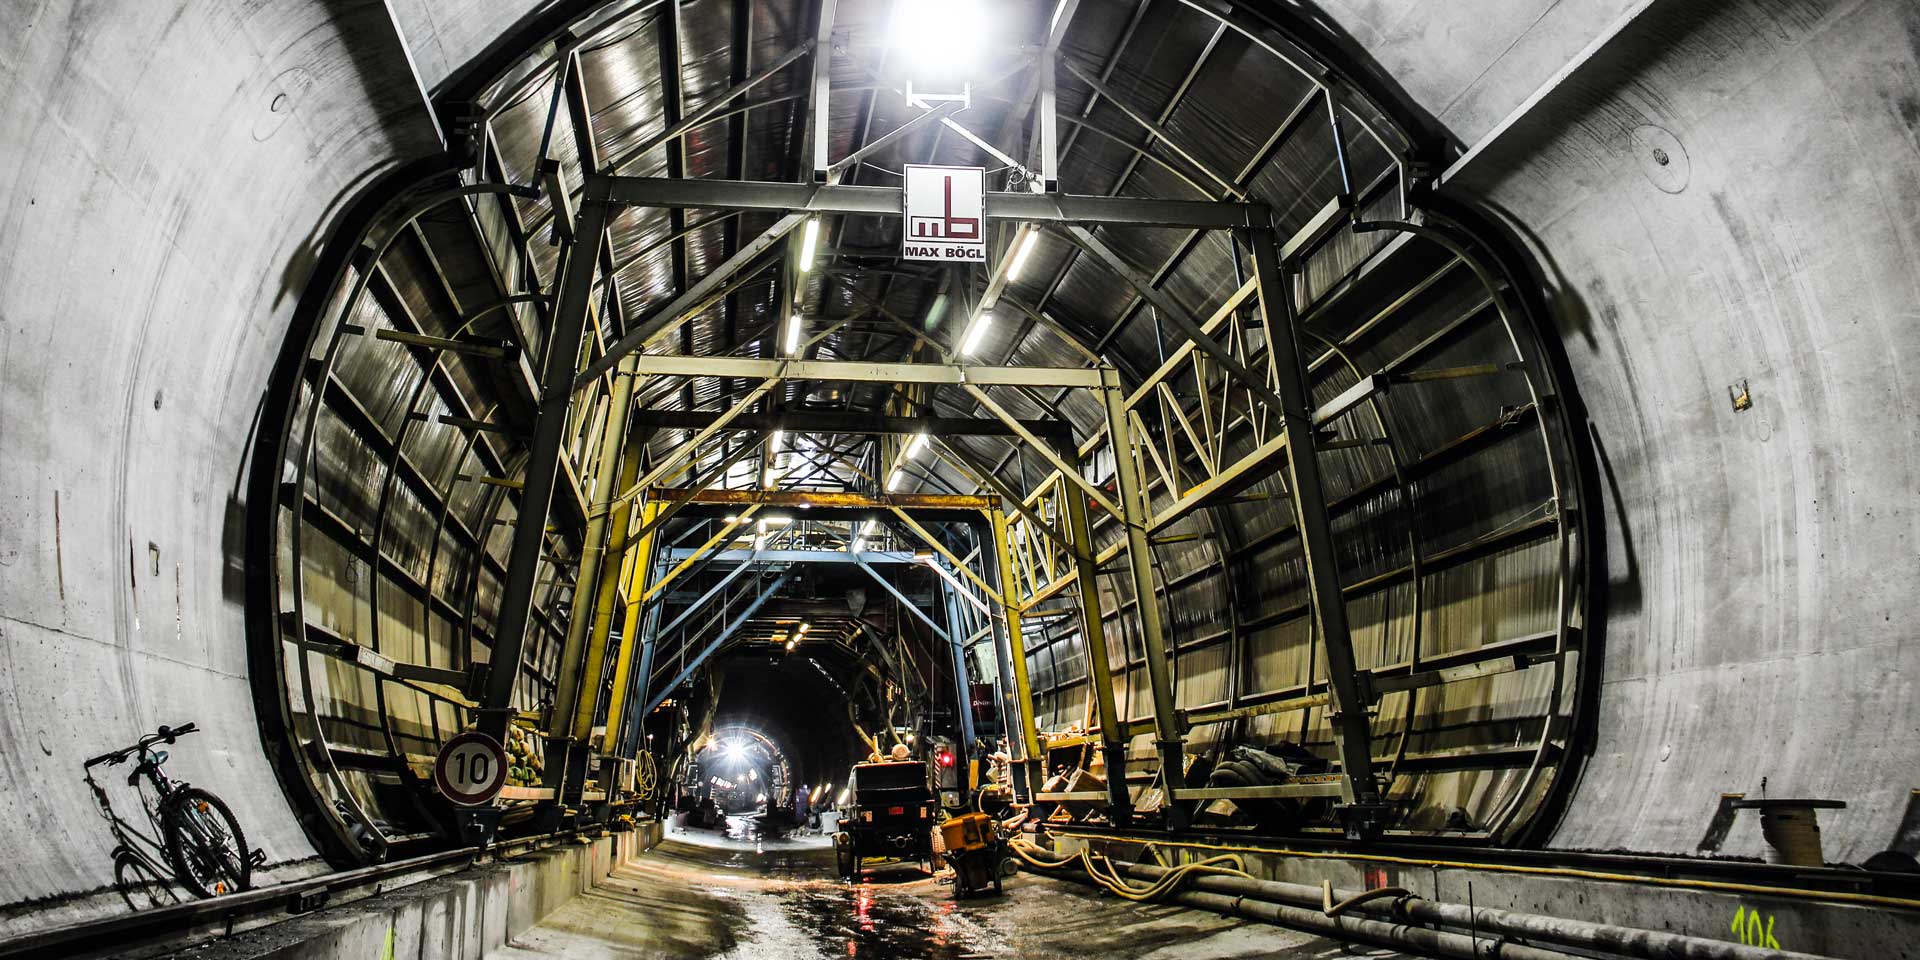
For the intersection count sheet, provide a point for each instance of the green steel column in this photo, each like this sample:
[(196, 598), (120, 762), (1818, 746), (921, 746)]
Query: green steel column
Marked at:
[(1136, 511), (1113, 733), (1348, 707), (559, 363)]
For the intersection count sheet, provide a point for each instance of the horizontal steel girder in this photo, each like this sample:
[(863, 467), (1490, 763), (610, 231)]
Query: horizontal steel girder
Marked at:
[(837, 422), (825, 498), (887, 201), (860, 371), (797, 556)]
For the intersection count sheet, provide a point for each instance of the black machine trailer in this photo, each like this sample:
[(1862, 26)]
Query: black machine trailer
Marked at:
[(891, 814)]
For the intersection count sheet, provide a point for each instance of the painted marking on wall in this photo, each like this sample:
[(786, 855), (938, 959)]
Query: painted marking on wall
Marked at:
[(1752, 930)]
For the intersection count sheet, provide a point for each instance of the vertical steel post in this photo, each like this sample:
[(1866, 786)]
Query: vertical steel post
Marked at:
[(1113, 733), (543, 464), (613, 570), (579, 674), (1136, 511), (1362, 809), (639, 567), (822, 82), (1016, 654)]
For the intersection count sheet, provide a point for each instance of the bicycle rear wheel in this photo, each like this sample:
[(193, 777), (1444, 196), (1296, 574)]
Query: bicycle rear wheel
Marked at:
[(206, 844)]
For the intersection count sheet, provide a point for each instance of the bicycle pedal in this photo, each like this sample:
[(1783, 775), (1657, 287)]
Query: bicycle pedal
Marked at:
[(258, 858)]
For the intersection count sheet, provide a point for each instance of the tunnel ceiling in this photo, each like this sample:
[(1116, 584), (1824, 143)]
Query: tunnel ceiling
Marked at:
[(1448, 466)]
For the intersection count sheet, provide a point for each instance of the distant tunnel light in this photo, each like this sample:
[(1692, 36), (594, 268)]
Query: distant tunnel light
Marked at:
[(942, 38), (793, 336), (976, 333), (809, 240), (1022, 253)]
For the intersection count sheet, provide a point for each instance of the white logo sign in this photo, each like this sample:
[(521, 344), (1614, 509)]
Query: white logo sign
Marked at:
[(946, 214)]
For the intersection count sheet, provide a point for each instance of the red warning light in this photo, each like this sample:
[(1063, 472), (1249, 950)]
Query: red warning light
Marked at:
[(946, 758)]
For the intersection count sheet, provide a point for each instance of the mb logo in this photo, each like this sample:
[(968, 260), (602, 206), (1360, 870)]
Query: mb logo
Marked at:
[(945, 214)]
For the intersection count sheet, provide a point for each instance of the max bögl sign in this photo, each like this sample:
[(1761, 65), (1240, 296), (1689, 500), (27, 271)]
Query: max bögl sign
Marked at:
[(945, 214)]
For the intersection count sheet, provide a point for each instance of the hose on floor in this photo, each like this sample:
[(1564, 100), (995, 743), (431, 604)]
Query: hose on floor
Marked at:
[(1102, 872)]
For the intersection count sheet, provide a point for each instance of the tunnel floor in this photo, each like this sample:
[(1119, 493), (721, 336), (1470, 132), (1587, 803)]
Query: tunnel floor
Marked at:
[(701, 894)]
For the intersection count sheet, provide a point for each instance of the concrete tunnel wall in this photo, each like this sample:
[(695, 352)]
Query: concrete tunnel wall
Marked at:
[(1763, 565), (168, 172), (161, 216)]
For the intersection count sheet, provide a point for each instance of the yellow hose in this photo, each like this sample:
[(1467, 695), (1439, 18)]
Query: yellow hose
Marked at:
[(1101, 870)]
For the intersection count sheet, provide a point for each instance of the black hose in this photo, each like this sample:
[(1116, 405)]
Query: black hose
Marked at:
[(1580, 934)]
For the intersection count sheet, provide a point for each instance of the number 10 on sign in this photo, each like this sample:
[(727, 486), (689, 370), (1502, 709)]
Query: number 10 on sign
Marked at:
[(471, 769)]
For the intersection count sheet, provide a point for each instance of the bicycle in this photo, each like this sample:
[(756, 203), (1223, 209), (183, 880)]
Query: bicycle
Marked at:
[(194, 833)]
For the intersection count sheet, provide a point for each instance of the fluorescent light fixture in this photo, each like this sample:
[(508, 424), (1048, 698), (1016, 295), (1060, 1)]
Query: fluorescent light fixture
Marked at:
[(976, 333), (804, 627), (731, 518), (893, 482), (808, 242), (773, 441), (1021, 253), (860, 541), (793, 335), (918, 444), (777, 521)]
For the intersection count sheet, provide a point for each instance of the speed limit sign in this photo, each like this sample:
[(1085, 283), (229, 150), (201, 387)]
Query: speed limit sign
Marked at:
[(471, 769)]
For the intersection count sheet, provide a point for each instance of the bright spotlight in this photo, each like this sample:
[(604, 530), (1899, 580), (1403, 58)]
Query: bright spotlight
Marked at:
[(808, 241), (976, 333), (1022, 253), (734, 751), (940, 39)]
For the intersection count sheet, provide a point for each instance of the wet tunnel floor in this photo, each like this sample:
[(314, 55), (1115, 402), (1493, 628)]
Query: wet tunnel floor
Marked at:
[(702, 895)]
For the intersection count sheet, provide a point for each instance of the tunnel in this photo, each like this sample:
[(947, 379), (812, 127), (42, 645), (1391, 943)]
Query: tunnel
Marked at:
[(960, 478)]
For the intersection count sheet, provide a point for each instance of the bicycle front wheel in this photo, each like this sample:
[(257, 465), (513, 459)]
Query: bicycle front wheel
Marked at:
[(206, 844)]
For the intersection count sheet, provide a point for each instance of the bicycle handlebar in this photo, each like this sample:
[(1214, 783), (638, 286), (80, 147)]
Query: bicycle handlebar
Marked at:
[(166, 733)]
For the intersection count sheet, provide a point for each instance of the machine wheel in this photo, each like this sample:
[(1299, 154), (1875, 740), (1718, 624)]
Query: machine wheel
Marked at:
[(843, 855)]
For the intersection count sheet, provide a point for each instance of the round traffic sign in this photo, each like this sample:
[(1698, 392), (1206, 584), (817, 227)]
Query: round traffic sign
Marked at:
[(471, 769)]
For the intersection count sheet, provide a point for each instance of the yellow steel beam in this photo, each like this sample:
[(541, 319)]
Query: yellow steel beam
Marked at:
[(1016, 644), (826, 498), (941, 548), (636, 568)]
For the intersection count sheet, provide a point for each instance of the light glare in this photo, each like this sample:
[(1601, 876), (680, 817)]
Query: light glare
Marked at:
[(793, 335), (940, 39), (1021, 253), (808, 242), (975, 334)]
